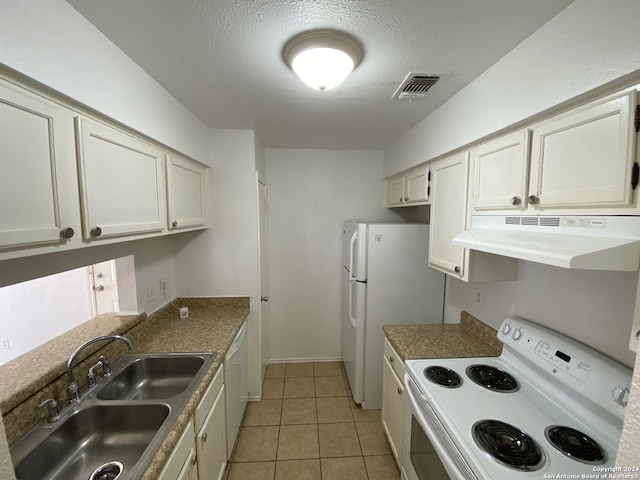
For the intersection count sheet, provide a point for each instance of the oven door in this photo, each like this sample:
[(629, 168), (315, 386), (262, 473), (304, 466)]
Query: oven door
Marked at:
[(424, 456)]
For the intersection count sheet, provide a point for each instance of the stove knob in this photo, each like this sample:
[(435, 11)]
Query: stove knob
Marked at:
[(621, 395), (506, 329), (517, 334)]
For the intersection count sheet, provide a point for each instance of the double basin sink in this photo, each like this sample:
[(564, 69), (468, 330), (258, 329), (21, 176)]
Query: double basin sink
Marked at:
[(117, 427)]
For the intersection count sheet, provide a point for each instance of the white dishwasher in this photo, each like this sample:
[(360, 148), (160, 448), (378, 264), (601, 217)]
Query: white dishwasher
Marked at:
[(236, 380)]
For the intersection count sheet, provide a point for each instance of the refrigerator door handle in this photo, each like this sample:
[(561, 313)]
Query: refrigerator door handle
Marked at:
[(354, 238), (352, 319)]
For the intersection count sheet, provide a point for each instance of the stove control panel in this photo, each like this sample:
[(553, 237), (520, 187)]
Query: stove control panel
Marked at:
[(563, 361)]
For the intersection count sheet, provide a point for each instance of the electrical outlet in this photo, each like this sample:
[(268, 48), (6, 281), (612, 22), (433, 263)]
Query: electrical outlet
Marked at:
[(478, 297), (163, 288), (4, 344), (150, 294)]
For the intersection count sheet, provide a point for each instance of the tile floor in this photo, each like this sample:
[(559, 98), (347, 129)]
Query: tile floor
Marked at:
[(307, 427)]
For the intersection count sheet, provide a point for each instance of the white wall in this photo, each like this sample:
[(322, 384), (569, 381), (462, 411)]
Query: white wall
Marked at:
[(311, 192), (52, 43), (32, 313), (588, 44), (594, 307), (224, 259)]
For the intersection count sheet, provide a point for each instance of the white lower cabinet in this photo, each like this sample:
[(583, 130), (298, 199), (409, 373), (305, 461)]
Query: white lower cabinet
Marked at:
[(182, 464), (392, 398), (211, 439), (201, 452)]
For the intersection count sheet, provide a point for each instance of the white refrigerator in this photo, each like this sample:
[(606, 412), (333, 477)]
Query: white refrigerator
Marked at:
[(385, 280)]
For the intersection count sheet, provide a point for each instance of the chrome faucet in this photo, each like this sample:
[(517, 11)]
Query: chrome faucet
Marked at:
[(74, 391)]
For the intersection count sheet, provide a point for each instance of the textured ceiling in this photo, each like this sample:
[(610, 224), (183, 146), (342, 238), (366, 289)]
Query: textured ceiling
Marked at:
[(223, 59)]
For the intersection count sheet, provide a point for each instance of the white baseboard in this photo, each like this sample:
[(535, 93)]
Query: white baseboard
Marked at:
[(305, 360)]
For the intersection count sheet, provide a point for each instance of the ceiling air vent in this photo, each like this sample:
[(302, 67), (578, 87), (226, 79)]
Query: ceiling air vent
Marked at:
[(415, 86)]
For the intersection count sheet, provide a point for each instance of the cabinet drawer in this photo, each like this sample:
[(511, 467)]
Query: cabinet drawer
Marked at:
[(394, 360), (208, 398)]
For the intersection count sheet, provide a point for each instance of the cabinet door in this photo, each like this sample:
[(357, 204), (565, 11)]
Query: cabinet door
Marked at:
[(189, 470), (392, 392), (33, 197), (212, 442), (418, 185), (395, 186), (584, 158), (186, 193), (121, 182), (448, 214), (501, 173), (182, 463)]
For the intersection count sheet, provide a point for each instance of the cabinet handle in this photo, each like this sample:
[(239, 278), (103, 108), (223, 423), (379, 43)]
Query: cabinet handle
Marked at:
[(638, 335), (174, 224), (400, 200), (406, 199), (390, 359), (67, 232), (96, 232), (194, 459), (515, 201), (204, 437), (456, 269), (399, 391), (533, 199)]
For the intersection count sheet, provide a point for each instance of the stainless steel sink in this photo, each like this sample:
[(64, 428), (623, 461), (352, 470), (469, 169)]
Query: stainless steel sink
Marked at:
[(92, 437), (152, 378), (118, 425)]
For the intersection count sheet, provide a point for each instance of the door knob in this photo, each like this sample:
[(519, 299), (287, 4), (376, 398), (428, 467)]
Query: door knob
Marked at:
[(264, 299), (533, 199), (515, 201)]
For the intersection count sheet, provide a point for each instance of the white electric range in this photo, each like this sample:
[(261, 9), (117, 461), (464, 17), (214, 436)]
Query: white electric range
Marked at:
[(547, 406)]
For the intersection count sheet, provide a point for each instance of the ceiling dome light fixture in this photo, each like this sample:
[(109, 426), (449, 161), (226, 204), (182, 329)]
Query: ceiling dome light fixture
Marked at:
[(322, 58)]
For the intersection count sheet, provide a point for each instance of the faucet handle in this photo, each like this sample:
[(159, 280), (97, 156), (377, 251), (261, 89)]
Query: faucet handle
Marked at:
[(103, 362), (54, 410), (106, 366), (74, 393)]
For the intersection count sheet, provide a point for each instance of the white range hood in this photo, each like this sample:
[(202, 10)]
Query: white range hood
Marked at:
[(577, 242)]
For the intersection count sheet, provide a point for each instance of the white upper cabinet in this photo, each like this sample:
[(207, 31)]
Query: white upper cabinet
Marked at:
[(410, 188), (35, 138), (580, 162), (501, 173), (449, 218), (395, 191), (186, 193), (448, 214), (584, 158), (121, 182)]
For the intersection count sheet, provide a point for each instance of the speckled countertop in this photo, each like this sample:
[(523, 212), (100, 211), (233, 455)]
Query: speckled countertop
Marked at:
[(211, 327), (469, 338)]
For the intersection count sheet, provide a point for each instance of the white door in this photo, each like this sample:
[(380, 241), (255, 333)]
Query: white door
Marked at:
[(418, 185), (395, 187), (121, 182), (186, 193), (448, 214), (264, 277), (104, 284), (501, 173), (584, 158), (33, 196)]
